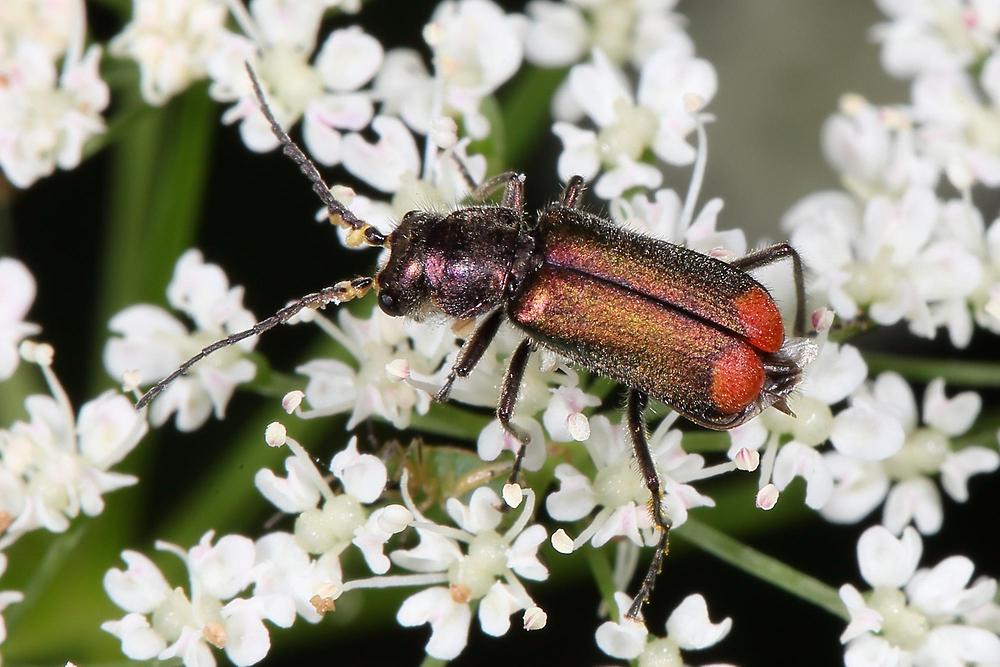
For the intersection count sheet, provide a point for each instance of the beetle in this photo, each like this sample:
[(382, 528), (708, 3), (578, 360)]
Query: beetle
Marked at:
[(697, 333)]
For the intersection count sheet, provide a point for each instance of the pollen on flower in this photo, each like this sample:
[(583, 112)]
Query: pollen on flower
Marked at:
[(578, 426), (512, 494), (852, 104), (747, 460), (323, 605), (460, 593), (130, 380), (693, 102), (822, 319), (562, 542), (767, 497), (535, 618), (215, 634), (275, 434), (292, 400)]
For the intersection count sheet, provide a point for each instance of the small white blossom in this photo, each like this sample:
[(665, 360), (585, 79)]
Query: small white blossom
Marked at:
[(166, 623), (560, 34), (688, 629), (904, 479), (327, 523), (618, 489), (171, 40), (488, 571), (154, 343), (655, 119), (46, 116), (278, 39), (56, 465), (911, 616)]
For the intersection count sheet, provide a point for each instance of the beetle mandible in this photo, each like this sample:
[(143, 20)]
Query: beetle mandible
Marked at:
[(666, 322)]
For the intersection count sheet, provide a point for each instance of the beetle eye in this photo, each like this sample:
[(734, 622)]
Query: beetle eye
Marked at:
[(387, 303)]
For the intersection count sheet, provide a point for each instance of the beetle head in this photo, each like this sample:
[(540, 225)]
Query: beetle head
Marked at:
[(402, 287)]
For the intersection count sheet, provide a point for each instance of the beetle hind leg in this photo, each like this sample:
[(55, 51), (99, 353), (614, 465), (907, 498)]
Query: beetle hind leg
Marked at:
[(508, 399), (635, 407), (776, 253)]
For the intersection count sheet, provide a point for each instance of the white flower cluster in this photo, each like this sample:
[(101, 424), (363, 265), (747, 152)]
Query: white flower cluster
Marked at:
[(51, 94), (930, 616), (299, 573), (57, 464), (890, 246), (151, 343)]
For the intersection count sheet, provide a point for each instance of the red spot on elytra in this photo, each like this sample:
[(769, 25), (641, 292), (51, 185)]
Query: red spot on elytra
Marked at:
[(737, 379), (761, 319)]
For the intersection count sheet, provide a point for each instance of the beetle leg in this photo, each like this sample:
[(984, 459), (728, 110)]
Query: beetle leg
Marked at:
[(635, 407), (472, 351), (573, 192), (508, 399), (776, 253), (345, 290)]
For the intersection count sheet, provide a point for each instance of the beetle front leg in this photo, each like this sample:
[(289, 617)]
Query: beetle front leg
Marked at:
[(776, 253), (635, 407), (472, 351), (509, 390)]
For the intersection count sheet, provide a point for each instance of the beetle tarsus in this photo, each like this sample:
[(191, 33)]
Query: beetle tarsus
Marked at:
[(472, 351), (635, 407)]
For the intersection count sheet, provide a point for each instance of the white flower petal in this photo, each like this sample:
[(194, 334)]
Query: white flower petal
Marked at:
[(885, 560), (364, 476), (140, 588), (952, 416), (225, 568), (863, 619), (690, 626), (139, 640), (625, 639), (449, 621), (959, 466), (865, 433), (797, 460), (496, 608), (348, 59), (247, 639), (915, 500)]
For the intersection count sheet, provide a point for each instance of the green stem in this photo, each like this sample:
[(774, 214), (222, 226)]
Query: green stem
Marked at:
[(451, 421), (45, 571), (433, 662), (955, 372), (762, 566), (597, 559), (526, 111)]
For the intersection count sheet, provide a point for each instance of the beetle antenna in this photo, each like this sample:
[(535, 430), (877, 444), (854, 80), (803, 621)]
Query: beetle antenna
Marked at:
[(346, 290), (360, 231)]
